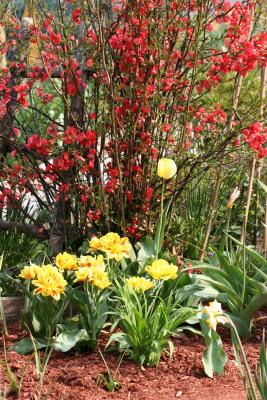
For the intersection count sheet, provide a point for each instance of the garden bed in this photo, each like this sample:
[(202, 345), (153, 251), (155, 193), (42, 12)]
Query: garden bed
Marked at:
[(73, 376)]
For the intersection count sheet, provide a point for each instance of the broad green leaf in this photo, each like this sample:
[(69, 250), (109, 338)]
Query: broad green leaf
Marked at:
[(207, 292), (243, 329), (120, 338), (214, 357), (25, 346), (36, 323), (256, 304), (132, 254), (67, 340), (102, 315), (146, 252)]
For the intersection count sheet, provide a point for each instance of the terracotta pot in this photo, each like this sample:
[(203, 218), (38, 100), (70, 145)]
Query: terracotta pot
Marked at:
[(12, 307)]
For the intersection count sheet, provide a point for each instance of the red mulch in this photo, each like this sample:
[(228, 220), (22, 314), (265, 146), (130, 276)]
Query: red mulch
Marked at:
[(73, 376)]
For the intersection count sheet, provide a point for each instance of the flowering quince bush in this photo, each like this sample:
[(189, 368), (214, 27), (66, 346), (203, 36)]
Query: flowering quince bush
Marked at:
[(89, 104)]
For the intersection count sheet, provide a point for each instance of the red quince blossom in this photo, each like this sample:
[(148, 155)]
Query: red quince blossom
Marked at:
[(94, 215), (55, 38), (149, 194), (38, 144), (256, 137), (76, 16)]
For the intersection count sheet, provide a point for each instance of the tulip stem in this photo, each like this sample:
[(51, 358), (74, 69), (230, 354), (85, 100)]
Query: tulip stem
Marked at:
[(227, 232), (161, 220)]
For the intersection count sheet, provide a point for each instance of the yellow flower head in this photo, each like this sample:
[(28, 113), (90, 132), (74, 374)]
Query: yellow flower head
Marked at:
[(49, 282), (29, 272), (213, 315), (161, 269), (111, 244), (66, 261), (100, 279), (140, 284), (89, 261), (82, 274), (166, 168), (95, 275)]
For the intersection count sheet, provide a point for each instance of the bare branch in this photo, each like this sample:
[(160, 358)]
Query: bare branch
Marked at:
[(20, 227)]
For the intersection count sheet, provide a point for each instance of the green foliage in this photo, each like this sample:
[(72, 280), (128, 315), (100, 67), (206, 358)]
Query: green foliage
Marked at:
[(40, 318), (189, 222), (242, 295), (159, 237), (41, 362), (146, 252), (263, 186), (260, 373), (2, 313), (214, 357), (42, 314), (14, 383), (146, 324), (108, 379), (9, 374), (82, 331), (18, 247), (26, 346), (261, 370), (149, 249)]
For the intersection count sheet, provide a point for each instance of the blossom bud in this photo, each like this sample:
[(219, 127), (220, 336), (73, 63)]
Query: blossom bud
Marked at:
[(233, 198)]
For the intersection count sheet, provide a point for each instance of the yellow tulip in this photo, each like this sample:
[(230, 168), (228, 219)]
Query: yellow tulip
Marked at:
[(112, 244), (82, 274), (95, 275), (161, 269), (140, 284), (100, 279), (166, 168), (66, 261), (49, 282), (29, 272), (89, 261)]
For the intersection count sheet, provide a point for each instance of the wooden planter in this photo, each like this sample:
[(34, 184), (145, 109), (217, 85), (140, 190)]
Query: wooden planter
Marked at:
[(12, 307)]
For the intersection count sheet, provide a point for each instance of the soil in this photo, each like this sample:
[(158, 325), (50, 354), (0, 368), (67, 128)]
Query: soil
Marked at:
[(73, 376)]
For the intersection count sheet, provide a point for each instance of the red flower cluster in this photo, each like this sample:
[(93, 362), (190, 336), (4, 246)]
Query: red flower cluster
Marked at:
[(38, 144), (256, 136)]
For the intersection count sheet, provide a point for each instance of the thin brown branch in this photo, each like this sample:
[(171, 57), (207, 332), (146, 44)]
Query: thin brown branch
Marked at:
[(21, 227)]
